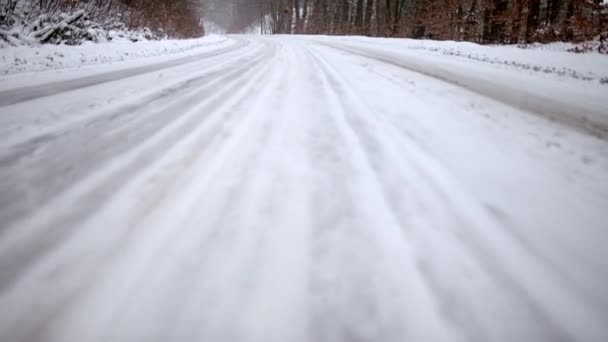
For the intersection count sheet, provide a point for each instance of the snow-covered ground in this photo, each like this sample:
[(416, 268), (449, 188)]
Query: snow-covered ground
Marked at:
[(307, 189), (541, 60), (32, 58), (560, 85)]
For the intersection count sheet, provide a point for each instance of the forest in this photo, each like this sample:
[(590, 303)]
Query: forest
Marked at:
[(481, 21), (163, 18)]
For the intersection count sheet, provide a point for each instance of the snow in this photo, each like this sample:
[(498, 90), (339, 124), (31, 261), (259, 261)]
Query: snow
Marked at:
[(305, 189), (43, 57), (547, 90), (539, 60)]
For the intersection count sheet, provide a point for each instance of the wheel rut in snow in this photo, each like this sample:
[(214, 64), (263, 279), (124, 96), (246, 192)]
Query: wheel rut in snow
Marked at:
[(92, 192), (588, 120), (14, 96)]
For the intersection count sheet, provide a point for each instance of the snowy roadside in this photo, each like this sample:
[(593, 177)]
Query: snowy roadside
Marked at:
[(553, 60), (51, 63), (540, 59), (565, 97), (19, 59)]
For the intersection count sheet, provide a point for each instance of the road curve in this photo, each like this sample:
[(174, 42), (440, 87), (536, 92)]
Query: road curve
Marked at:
[(283, 190)]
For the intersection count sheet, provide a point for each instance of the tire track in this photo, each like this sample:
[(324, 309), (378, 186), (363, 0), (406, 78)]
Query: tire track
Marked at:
[(15, 117), (592, 121), (502, 279), (20, 247), (53, 163), (144, 253), (14, 96), (407, 286)]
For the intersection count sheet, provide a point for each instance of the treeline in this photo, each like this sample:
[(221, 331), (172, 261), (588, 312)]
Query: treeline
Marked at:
[(482, 21), (176, 18), (173, 18)]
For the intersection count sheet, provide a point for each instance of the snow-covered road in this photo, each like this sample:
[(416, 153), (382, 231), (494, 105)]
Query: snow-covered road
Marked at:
[(303, 189)]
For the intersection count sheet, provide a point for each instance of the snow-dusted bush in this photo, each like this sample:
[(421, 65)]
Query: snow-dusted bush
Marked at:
[(64, 22), (72, 22)]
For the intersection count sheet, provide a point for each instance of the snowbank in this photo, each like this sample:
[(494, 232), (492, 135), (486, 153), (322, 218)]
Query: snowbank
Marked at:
[(540, 59), (17, 59)]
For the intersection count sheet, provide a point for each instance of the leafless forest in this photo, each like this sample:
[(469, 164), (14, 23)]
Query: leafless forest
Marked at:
[(483, 21)]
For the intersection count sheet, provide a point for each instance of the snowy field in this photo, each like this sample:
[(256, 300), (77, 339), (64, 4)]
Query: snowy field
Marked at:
[(299, 188)]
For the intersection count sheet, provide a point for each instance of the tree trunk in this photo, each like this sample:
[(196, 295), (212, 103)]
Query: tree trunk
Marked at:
[(387, 17), (287, 13), (523, 23), (561, 24), (359, 16), (304, 20), (344, 16), (378, 18), (368, 17), (396, 16), (296, 9), (510, 16), (324, 16)]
